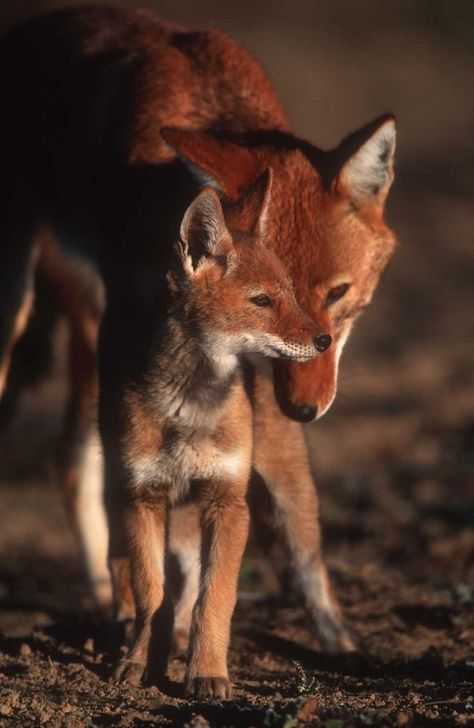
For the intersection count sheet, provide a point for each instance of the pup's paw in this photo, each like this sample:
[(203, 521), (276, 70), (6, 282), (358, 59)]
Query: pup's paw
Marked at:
[(209, 688), (129, 672)]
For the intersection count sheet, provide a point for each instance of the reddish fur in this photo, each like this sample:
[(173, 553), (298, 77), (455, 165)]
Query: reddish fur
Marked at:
[(314, 225), (324, 233), (174, 447), (206, 81)]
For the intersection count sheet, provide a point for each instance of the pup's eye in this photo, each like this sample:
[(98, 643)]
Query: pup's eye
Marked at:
[(261, 300), (337, 293)]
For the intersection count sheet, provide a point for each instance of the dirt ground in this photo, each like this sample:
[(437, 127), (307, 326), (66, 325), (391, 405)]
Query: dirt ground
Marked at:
[(399, 541), (394, 459)]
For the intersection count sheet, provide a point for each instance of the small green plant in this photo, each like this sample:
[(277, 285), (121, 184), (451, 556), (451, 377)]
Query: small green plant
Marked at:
[(305, 684), (289, 716), (275, 718), (463, 594)]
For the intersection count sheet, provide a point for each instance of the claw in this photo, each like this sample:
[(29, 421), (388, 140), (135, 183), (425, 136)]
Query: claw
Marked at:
[(209, 688), (129, 672)]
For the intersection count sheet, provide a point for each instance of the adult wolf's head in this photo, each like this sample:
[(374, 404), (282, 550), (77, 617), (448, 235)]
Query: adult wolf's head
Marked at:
[(326, 224)]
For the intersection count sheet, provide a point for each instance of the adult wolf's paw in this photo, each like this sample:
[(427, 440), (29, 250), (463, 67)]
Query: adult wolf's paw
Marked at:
[(209, 688), (129, 672), (180, 643), (333, 635), (337, 643)]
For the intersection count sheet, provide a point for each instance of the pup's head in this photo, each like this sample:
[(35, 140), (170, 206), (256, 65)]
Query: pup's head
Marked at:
[(232, 289)]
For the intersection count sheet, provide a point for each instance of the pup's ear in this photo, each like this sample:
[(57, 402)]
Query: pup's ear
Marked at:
[(250, 213), (215, 162), (366, 172), (203, 231)]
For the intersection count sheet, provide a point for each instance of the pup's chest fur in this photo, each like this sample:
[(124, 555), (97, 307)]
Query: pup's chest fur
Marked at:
[(186, 460), (190, 423)]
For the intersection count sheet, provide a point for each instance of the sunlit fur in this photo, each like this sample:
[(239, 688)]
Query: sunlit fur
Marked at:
[(186, 431), (144, 92), (326, 234)]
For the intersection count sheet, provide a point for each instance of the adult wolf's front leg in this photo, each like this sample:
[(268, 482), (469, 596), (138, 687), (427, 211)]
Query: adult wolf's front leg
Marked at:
[(20, 233), (80, 463), (281, 459), (185, 546)]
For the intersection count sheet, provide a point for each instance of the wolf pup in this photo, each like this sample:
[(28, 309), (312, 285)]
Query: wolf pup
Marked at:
[(188, 425)]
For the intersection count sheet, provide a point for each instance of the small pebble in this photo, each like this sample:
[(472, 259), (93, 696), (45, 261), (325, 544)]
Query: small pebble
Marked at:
[(25, 650), (89, 646)]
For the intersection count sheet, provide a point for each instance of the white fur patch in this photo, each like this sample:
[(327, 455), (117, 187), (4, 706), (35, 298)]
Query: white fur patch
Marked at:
[(186, 549), (278, 348), (92, 523), (233, 464), (339, 346), (224, 364), (221, 349), (144, 470), (314, 583), (175, 468), (269, 345), (369, 170)]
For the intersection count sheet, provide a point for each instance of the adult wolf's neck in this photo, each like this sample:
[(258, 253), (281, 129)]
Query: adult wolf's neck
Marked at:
[(133, 74), (196, 80)]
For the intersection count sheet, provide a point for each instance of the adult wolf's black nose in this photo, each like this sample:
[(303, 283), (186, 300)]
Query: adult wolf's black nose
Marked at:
[(300, 412), (322, 342), (303, 412)]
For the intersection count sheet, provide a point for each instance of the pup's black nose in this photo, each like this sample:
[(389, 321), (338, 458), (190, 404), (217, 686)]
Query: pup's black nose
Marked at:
[(322, 342), (301, 412)]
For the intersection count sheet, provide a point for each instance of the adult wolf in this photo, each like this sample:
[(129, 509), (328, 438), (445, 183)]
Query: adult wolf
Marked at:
[(86, 93)]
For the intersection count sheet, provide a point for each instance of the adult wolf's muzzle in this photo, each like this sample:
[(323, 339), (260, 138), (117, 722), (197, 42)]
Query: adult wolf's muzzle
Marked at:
[(305, 390)]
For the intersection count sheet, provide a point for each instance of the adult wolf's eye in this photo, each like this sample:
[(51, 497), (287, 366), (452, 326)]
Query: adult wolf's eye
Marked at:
[(261, 300), (336, 293)]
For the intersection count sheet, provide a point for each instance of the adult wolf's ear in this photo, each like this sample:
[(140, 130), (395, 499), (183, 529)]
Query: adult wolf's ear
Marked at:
[(250, 213), (203, 230), (215, 162), (365, 161)]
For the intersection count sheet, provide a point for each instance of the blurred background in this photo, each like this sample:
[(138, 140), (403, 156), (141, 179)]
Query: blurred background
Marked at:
[(394, 456)]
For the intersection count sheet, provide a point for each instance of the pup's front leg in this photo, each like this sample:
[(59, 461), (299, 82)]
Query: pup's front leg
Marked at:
[(144, 524), (224, 519)]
